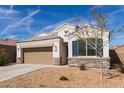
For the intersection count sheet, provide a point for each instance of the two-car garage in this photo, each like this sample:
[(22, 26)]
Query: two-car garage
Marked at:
[(39, 51), (39, 55)]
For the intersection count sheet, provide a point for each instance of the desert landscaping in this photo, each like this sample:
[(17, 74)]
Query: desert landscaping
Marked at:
[(49, 78)]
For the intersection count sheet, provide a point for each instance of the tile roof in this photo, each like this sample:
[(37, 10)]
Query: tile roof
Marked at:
[(10, 42), (39, 38)]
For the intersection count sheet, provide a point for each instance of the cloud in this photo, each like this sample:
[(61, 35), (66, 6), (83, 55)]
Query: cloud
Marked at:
[(53, 26), (11, 36), (6, 18), (28, 23), (96, 7), (117, 11), (46, 29), (112, 13), (21, 22), (6, 12)]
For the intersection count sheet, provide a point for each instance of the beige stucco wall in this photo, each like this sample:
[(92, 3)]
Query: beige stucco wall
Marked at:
[(56, 49), (42, 43), (63, 52), (62, 31), (105, 43), (58, 44), (38, 43), (120, 53)]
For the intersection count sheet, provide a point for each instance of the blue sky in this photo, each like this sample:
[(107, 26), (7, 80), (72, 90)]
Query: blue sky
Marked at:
[(22, 22)]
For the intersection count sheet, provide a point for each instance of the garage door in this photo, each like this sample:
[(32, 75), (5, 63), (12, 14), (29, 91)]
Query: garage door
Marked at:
[(38, 55)]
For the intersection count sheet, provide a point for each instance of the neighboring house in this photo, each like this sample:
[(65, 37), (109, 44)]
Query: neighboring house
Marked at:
[(117, 55), (10, 46), (61, 47)]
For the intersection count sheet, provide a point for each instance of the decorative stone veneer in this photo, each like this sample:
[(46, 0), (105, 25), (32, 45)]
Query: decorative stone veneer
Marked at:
[(57, 61), (18, 60), (89, 62)]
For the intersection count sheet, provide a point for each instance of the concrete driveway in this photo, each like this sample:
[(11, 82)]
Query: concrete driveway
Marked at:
[(8, 72)]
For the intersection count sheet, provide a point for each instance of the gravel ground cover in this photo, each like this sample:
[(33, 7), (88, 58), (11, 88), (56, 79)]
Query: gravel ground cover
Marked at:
[(49, 78)]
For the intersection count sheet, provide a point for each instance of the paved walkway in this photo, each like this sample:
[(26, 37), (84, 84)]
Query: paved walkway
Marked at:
[(8, 72)]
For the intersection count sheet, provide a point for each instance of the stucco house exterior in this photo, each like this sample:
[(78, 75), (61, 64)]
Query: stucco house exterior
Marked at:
[(61, 46)]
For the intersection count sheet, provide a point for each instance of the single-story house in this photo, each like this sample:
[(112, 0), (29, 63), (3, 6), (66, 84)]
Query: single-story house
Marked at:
[(61, 46), (10, 46)]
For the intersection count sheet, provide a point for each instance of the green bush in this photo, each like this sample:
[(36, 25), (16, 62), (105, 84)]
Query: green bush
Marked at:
[(122, 68), (63, 78), (82, 67), (3, 57)]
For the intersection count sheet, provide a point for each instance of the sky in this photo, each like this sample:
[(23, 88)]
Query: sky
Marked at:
[(26, 21)]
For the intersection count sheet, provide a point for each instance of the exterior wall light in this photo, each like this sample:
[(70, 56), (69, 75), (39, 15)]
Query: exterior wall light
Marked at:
[(55, 47)]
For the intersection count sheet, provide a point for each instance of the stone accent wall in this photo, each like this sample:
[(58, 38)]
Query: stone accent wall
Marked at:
[(18, 60), (89, 62), (57, 61)]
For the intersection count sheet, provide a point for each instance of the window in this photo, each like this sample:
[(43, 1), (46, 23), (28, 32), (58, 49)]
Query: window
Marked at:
[(90, 47), (74, 48), (81, 48)]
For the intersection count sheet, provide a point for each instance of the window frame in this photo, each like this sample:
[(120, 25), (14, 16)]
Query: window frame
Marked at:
[(92, 48), (78, 48), (96, 50)]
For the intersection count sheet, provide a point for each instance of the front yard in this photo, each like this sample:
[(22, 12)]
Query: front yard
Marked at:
[(49, 78)]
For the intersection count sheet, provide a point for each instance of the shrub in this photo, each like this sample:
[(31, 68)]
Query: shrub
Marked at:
[(3, 57), (122, 68), (82, 67), (63, 78)]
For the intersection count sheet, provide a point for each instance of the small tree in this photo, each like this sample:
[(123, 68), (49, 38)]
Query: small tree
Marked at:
[(101, 22), (83, 33), (3, 57)]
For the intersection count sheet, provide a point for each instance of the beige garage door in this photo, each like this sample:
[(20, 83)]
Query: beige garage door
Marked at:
[(38, 55)]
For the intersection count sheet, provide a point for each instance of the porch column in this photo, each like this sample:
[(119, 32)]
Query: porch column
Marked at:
[(56, 53), (106, 45), (70, 48), (19, 53), (106, 58)]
